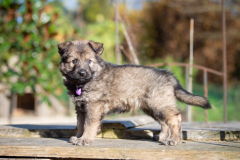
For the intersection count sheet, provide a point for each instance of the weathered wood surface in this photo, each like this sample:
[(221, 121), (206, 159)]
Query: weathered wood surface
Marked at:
[(110, 129), (140, 127), (118, 149), (198, 131), (127, 122)]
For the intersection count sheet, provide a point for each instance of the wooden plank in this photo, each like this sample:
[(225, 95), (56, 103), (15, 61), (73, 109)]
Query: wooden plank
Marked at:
[(65, 131), (116, 149), (193, 131), (127, 122)]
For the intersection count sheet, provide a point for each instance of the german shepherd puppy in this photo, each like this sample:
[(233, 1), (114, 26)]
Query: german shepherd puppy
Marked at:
[(98, 88)]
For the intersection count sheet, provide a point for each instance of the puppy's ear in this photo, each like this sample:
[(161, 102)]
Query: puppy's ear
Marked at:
[(63, 47), (97, 47)]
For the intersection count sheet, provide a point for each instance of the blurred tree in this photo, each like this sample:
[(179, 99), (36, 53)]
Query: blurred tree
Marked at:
[(95, 10), (162, 27), (29, 33)]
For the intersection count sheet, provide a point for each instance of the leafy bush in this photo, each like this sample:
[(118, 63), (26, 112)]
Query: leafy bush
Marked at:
[(29, 33)]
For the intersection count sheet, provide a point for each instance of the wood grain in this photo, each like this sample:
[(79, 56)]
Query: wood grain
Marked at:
[(117, 149)]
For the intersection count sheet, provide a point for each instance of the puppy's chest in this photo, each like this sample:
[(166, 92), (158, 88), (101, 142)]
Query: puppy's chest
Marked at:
[(80, 106), (85, 99), (80, 102), (88, 96)]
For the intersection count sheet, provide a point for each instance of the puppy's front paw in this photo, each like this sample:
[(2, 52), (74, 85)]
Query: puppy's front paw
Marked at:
[(73, 140), (83, 142), (155, 138), (170, 142)]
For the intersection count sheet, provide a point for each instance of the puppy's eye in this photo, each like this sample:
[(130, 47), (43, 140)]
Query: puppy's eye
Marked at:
[(89, 61), (74, 61)]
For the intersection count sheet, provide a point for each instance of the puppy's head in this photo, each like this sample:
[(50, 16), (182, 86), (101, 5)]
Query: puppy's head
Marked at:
[(80, 60)]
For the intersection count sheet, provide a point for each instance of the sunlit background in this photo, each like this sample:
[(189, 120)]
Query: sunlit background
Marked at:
[(30, 31)]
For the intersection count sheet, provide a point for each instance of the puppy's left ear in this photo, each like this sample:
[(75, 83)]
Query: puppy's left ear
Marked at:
[(63, 47), (97, 47)]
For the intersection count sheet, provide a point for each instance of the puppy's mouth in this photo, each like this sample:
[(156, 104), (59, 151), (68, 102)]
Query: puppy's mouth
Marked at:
[(77, 79), (81, 80)]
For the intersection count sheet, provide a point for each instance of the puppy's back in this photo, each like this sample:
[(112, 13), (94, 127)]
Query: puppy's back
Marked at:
[(132, 80)]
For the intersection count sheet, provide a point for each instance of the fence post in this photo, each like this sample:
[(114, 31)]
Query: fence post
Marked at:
[(186, 78), (169, 66), (13, 105), (118, 55), (189, 110), (224, 62), (205, 93)]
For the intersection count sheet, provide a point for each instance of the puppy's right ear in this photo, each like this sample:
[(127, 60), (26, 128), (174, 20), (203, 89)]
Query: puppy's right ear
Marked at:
[(63, 47), (97, 47)]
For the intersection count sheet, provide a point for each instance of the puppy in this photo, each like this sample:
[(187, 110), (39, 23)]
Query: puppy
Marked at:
[(98, 88)]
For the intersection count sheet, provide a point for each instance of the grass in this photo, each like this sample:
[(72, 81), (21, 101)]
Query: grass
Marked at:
[(215, 96)]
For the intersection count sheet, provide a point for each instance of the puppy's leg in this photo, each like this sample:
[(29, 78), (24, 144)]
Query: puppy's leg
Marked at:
[(159, 117), (167, 109), (80, 127), (164, 134), (93, 119), (175, 126)]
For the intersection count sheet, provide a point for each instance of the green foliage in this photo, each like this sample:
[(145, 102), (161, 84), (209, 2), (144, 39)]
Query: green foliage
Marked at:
[(100, 27), (104, 32), (30, 31), (28, 44), (95, 10)]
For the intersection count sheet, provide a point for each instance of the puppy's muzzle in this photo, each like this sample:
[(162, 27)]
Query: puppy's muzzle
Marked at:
[(82, 73)]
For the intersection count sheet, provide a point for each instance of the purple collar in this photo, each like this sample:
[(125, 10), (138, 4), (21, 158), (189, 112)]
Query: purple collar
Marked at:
[(78, 90)]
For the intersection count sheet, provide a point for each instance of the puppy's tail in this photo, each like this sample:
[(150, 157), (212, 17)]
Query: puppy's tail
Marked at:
[(189, 98)]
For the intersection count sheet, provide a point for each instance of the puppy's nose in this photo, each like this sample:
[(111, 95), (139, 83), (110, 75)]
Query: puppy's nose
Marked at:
[(82, 72)]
